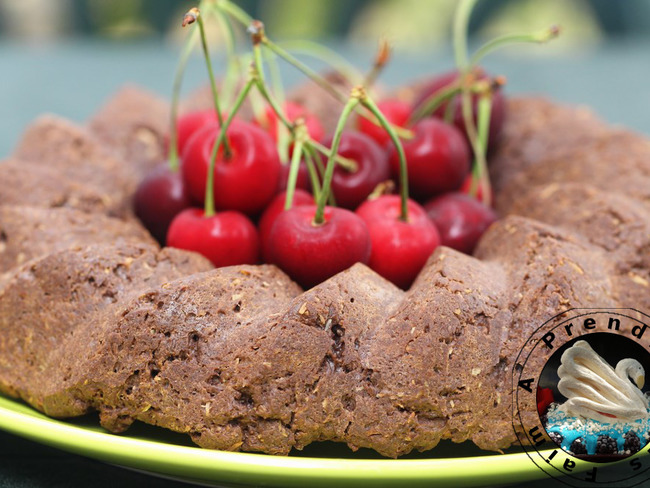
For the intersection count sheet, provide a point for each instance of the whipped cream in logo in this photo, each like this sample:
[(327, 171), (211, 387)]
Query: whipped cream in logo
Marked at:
[(595, 390)]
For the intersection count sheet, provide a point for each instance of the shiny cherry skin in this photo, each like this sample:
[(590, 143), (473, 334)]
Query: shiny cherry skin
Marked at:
[(158, 199), (292, 111), (497, 114), (246, 181), (396, 111), (226, 238), (189, 123), (438, 158), (311, 253), (271, 213), (460, 219), (467, 184), (399, 249), (352, 188)]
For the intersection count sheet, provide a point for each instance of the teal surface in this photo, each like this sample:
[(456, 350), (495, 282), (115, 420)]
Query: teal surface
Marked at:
[(74, 78)]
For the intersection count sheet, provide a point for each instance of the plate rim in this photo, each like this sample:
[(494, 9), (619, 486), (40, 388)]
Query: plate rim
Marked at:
[(201, 465)]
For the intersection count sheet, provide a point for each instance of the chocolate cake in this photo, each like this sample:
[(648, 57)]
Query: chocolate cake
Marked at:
[(240, 358)]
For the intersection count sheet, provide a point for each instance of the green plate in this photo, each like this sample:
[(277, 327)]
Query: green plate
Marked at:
[(161, 453)]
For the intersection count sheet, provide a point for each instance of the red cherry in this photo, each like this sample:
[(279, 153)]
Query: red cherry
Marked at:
[(352, 188), (544, 399), (312, 253), (497, 114), (227, 238), (303, 182), (467, 184), (158, 199), (292, 111), (460, 219), (438, 158), (396, 112), (274, 209), (245, 182), (399, 249), (187, 124)]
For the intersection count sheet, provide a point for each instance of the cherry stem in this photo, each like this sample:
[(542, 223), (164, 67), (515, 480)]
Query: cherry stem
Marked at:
[(213, 82), (310, 73), (347, 164), (256, 29), (449, 113), (461, 23), (232, 69), (298, 146), (431, 104), (508, 39), (209, 191), (236, 12), (283, 137), (176, 94), (484, 112), (310, 158), (403, 171), (384, 188), (319, 218), (381, 59), (327, 55)]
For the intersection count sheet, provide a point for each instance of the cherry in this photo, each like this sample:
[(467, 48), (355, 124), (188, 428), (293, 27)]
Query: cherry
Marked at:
[(467, 185), (399, 249), (292, 111), (191, 122), (396, 112), (460, 219), (273, 210), (246, 181), (226, 238), (311, 253), (158, 199), (497, 114), (438, 158), (350, 188)]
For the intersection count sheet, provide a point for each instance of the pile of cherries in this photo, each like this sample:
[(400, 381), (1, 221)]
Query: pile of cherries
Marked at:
[(251, 224)]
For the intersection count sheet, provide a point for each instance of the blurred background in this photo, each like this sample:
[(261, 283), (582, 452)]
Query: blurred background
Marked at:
[(68, 56), (411, 22)]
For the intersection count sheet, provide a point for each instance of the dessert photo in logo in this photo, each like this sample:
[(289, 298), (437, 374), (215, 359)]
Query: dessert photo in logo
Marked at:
[(592, 398)]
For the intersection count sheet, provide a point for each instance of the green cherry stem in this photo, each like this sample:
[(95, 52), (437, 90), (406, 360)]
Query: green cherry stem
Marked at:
[(432, 103), (461, 23), (381, 59), (209, 191), (194, 15), (345, 163), (235, 11), (310, 158), (403, 171), (232, 68), (484, 112), (176, 94), (283, 136), (298, 146), (307, 71), (350, 105), (540, 37), (326, 55)]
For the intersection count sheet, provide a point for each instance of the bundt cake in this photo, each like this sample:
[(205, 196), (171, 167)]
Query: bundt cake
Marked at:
[(95, 316)]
